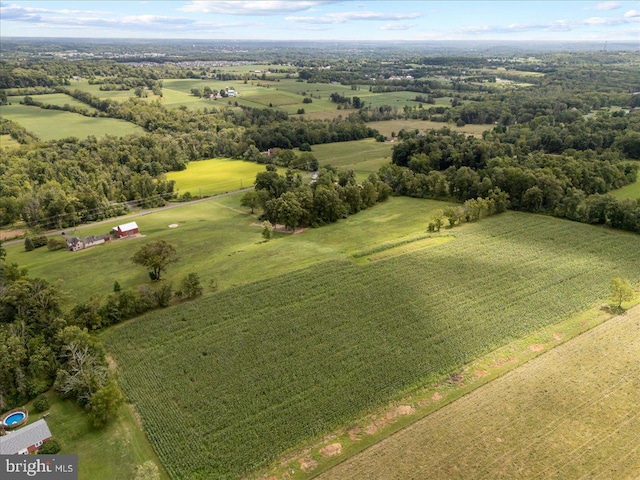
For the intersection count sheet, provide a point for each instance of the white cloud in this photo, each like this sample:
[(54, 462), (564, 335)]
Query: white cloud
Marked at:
[(264, 7), (344, 17), (555, 26), (397, 26), (607, 6)]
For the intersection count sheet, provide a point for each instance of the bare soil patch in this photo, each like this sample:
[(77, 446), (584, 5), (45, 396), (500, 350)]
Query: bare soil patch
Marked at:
[(354, 433), (308, 464), (9, 234), (537, 347), (405, 410), (558, 335), (331, 450), (480, 373), (436, 397)]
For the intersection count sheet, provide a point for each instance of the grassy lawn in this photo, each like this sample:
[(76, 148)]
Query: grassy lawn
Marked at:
[(7, 141), (216, 175), (569, 413), (237, 257), (389, 126), (362, 156), (59, 99), (629, 191), (112, 452), (94, 90), (298, 354), (56, 124)]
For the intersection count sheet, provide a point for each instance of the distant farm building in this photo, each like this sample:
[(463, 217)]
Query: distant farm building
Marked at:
[(126, 230), (76, 243), (26, 439)]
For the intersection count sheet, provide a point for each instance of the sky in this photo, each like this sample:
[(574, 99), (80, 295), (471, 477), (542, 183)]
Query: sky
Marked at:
[(325, 20)]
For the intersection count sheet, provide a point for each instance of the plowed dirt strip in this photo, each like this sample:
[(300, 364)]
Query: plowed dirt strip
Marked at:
[(571, 413)]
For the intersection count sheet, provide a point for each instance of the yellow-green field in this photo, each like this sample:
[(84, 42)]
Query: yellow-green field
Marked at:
[(216, 175), (56, 124), (388, 126), (570, 413)]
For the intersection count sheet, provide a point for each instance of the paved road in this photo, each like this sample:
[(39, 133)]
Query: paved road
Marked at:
[(117, 220)]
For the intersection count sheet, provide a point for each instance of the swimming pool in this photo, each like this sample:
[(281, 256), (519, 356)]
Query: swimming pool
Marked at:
[(15, 417)]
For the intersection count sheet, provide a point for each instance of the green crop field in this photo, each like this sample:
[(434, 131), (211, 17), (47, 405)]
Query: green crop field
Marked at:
[(214, 176), (55, 124), (570, 413), (388, 126), (629, 191), (227, 383)]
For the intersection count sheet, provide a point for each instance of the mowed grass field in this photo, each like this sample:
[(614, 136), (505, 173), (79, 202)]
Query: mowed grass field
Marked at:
[(214, 176), (388, 127), (7, 141), (573, 412), (59, 99), (253, 371), (222, 241), (629, 191), (362, 156), (56, 124)]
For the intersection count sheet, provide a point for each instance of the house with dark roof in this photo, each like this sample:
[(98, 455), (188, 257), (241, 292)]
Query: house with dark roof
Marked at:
[(25, 440), (76, 243)]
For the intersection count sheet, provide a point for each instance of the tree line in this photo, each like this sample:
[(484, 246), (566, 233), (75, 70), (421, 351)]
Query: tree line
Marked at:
[(572, 184)]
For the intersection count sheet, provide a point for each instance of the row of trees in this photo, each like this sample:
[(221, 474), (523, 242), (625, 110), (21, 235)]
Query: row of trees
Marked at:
[(332, 195)]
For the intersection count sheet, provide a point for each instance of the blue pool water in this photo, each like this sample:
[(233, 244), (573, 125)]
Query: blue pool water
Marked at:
[(14, 418)]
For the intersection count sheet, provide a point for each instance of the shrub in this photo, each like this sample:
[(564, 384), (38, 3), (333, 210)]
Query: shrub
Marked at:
[(39, 241), (163, 295), (41, 403), (56, 243), (190, 286), (307, 100), (50, 447), (28, 244)]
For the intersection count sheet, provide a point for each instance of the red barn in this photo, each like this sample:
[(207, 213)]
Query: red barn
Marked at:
[(126, 230)]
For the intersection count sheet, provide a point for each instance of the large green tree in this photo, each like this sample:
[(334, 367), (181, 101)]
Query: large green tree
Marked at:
[(156, 256), (621, 291)]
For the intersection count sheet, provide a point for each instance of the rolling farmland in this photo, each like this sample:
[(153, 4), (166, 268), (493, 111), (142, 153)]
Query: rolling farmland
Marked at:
[(570, 413), (272, 364), (56, 124), (362, 156)]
